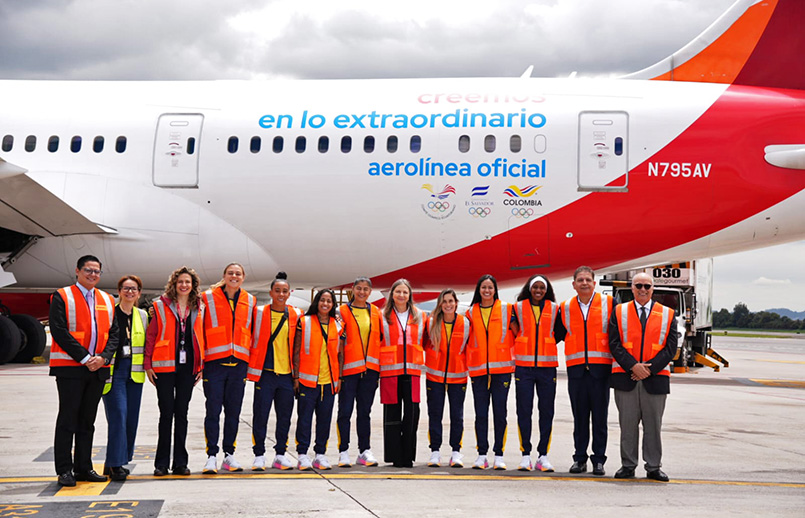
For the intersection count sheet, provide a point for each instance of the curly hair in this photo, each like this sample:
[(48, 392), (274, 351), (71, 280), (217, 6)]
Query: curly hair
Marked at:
[(170, 288)]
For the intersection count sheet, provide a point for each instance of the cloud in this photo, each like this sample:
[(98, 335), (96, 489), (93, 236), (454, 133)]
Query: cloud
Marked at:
[(763, 281)]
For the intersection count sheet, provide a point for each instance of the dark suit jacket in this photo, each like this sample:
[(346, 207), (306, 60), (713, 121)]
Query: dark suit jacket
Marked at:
[(653, 384), (60, 333)]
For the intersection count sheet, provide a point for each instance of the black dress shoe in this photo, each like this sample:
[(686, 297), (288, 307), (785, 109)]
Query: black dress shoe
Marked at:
[(90, 476), (160, 471), (625, 472), (579, 467), (67, 479), (181, 470), (108, 471), (657, 475), (598, 469), (117, 474)]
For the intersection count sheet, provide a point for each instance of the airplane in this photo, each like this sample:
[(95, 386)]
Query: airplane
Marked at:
[(435, 180)]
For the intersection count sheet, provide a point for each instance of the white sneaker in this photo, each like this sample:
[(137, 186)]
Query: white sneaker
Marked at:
[(321, 462), (456, 460), (367, 459), (343, 460), (211, 467), (230, 464), (435, 459), (499, 464), (480, 462), (525, 464), (543, 464), (259, 463), (283, 462), (304, 463)]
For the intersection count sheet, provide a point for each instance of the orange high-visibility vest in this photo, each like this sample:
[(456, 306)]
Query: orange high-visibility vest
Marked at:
[(644, 346), (587, 341), (490, 350), (531, 350), (226, 334), (401, 350), (448, 362), (359, 356), (79, 323), (262, 332), (310, 354), (163, 358)]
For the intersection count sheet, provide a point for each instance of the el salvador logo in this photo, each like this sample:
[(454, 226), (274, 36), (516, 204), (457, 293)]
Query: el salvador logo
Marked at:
[(480, 191), (514, 192)]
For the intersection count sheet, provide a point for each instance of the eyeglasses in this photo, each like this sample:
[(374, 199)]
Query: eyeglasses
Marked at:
[(91, 271), (643, 286), (130, 288)]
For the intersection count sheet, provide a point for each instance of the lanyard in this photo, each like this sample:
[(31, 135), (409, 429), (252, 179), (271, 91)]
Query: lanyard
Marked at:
[(183, 319)]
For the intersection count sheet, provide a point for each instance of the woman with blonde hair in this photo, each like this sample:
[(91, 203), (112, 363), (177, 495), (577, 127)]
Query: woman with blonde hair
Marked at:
[(446, 373), (174, 359), (401, 364)]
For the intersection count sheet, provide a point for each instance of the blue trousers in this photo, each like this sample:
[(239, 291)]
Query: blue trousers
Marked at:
[(223, 388), (356, 388), (276, 389), (527, 380), (455, 393), (496, 388), (589, 396), (319, 400), (122, 405)]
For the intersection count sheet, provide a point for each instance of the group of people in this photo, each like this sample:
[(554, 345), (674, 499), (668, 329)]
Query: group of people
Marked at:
[(223, 337)]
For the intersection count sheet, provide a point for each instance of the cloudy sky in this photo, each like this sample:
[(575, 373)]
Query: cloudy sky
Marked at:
[(324, 39)]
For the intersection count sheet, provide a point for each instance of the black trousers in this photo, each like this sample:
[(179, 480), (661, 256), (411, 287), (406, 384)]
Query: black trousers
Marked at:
[(356, 389), (589, 397), (78, 405), (400, 422), (455, 394), (174, 390)]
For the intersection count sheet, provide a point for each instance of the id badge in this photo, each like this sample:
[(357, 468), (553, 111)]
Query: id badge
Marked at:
[(182, 356), (126, 351)]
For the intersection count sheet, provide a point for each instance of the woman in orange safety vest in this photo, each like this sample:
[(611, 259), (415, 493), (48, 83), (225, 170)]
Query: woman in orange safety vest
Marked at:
[(174, 359), (401, 364), (490, 361), (446, 372), (535, 357), (317, 376)]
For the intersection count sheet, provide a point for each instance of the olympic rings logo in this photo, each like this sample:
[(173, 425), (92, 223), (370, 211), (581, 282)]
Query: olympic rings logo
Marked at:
[(522, 213), (480, 212), (438, 206)]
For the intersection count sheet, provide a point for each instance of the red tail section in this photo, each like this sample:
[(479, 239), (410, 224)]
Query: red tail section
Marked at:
[(755, 43)]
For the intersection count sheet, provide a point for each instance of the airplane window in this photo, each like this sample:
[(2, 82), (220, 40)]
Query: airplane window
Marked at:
[(515, 143), (276, 146), (191, 145), (369, 144), (301, 144), (346, 144), (416, 144), (8, 142), (324, 144), (391, 144), (120, 144), (53, 144), (30, 143), (255, 145), (232, 145), (97, 144), (489, 143), (464, 143), (75, 144), (540, 143)]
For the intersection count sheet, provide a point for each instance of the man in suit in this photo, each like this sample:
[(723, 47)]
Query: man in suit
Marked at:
[(643, 341), (84, 342)]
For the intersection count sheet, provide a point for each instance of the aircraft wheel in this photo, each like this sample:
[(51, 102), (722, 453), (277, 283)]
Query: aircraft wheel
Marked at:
[(33, 338), (10, 339)]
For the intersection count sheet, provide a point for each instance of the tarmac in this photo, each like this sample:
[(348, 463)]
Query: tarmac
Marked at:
[(733, 446)]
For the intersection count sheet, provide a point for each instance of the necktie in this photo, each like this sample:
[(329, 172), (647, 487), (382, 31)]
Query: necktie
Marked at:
[(643, 316), (91, 304)]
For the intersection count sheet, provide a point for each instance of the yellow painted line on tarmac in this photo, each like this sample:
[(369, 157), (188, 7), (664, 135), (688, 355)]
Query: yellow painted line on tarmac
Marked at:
[(780, 383), (780, 361), (95, 489)]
